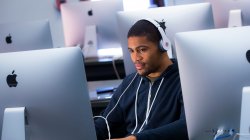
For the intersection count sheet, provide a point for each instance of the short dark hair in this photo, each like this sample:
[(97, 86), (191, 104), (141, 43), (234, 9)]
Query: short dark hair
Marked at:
[(145, 28)]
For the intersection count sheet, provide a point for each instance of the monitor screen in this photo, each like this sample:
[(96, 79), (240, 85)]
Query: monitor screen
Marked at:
[(77, 17), (26, 35), (221, 10), (214, 66), (51, 85), (177, 19)]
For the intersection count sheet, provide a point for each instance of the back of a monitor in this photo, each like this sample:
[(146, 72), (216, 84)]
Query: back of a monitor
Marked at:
[(77, 16), (51, 84), (23, 36), (214, 67)]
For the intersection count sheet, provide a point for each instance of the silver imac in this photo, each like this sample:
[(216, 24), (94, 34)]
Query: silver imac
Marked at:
[(44, 96), (92, 25), (177, 19), (214, 67), (25, 35)]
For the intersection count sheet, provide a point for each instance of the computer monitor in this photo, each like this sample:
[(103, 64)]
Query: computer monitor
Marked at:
[(26, 35), (51, 85), (214, 67), (223, 9), (177, 19), (92, 24)]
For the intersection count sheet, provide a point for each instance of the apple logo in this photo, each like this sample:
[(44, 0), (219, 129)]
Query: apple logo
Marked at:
[(8, 39), (248, 55), (90, 42), (90, 12), (11, 79)]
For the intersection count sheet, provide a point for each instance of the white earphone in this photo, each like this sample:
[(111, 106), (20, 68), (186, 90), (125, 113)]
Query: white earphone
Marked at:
[(165, 43)]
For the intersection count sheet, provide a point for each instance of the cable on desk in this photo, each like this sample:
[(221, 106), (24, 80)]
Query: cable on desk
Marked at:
[(114, 67)]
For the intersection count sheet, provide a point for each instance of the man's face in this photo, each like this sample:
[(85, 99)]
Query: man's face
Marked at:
[(145, 55)]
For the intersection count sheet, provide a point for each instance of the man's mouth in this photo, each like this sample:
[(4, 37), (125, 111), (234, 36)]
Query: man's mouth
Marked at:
[(139, 66)]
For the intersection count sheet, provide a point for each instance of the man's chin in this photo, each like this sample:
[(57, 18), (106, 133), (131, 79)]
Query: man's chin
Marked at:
[(142, 73)]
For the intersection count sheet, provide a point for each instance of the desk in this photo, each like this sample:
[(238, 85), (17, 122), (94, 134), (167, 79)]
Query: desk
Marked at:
[(98, 103)]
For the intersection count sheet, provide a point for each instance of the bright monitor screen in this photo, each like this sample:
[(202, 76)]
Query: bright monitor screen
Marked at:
[(214, 66), (177, 19), (222, 8), (25, 35), (51, 85), (78, 16)]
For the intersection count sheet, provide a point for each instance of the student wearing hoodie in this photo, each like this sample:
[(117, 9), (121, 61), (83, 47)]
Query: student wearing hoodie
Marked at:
[(148, 104)]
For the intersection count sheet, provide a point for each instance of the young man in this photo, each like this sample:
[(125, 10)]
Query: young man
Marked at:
[(148, 104)]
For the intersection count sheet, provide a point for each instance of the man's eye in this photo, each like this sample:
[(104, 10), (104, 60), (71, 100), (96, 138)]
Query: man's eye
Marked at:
[(141, 50), (130, 51)]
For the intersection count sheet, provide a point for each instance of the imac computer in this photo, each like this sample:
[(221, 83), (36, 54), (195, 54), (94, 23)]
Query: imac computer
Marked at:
[(176, 18), (214, 67), (230, 13), (44, 96), (25, 35), (92, 25)]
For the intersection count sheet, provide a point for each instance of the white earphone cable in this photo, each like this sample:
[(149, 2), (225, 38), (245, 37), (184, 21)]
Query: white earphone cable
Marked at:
[(146, 119), (106, 118), (136, 116), (136, 97)]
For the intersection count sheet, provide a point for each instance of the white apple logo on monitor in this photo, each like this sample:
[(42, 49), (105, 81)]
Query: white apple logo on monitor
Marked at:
[(11, 79), (8, 39)]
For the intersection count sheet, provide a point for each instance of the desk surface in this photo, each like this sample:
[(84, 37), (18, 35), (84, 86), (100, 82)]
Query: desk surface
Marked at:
[(98, 101), (93, 85)]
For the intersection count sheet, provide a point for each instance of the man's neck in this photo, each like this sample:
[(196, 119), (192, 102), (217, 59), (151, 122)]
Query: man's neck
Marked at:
[(164, 66), (152, 79)]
